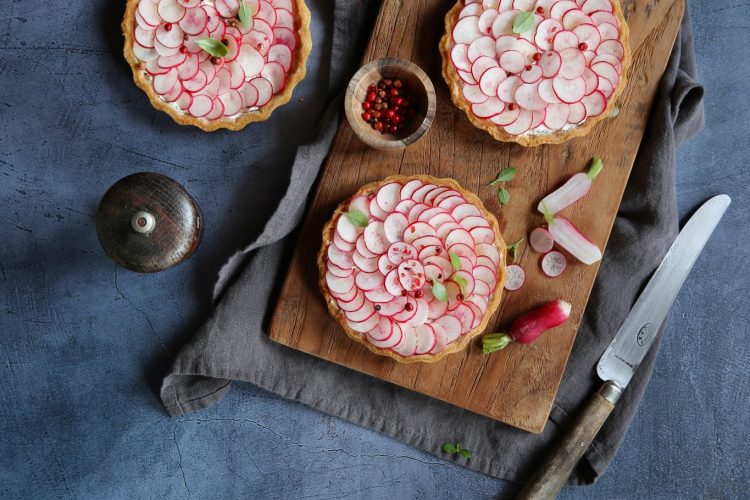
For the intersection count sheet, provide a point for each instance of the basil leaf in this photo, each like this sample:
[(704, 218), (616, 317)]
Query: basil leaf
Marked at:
[(503, 196), (513, 248), (357, 218), (461, 281), (463, 452), (505, 175), (213, 47), (455, 261), (439, 291), (449, 448), (523, 22), (245, 15)]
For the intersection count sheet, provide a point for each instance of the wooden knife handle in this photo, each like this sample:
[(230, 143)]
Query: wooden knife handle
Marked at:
[(554, 472)]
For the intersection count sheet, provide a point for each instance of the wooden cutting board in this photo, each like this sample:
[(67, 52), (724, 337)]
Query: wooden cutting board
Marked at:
[(518, 385)]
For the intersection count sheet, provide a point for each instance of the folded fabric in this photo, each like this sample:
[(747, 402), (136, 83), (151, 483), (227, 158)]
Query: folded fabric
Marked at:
[(233, 344)]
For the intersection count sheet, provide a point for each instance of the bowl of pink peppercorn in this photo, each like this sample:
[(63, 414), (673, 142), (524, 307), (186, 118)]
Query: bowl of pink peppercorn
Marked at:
[(390, 103)]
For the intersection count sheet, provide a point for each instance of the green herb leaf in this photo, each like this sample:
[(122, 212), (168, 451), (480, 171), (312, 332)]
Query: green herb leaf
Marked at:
[(495, 341), (503, 196), (463, 452), (505, 175), (449, 448), (357, 218), (596, 167), (523, 22), (439, 291), (460, 281), (512, 249), (213, 47), (455, 261), (245, 14)]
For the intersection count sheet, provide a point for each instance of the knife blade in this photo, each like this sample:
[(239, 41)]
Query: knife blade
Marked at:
[(627, 349), (637, 333)]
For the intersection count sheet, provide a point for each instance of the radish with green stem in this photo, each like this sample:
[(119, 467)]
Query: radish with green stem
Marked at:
[(567, 236), (528, 327), (573, 190)]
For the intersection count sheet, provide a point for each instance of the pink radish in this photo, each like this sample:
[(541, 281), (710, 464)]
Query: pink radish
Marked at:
[(573, 190), (514, 277), (567, 236), (540, 240), (554, 263), (528, 327)]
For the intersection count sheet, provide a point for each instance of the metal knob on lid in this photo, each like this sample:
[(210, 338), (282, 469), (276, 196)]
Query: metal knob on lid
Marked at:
[(148, 222)]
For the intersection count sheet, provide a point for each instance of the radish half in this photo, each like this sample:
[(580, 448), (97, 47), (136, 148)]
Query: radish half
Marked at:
[(573, 190), (567, 236)]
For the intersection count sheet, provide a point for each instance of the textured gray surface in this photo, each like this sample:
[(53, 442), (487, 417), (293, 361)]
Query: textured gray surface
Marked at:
[(71, 323)]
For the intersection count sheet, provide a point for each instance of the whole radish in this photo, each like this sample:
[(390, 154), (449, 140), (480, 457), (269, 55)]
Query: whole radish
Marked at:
[(528, 327)]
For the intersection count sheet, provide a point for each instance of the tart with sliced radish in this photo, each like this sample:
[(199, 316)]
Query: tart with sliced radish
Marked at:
[(412, 267), (217, 63), (535, 72)]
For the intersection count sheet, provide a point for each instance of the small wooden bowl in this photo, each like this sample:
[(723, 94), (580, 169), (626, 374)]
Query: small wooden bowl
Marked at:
[(419, 86)]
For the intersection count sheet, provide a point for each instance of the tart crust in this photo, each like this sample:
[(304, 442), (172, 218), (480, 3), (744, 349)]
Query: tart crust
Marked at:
[(295, 75), (454, 82), (492, 305)]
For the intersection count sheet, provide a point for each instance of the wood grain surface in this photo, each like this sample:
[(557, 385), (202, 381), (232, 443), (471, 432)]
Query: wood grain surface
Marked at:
[(518, 385)]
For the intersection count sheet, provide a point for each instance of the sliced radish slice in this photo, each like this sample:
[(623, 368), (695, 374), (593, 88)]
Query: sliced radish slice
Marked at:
[(512, 61), (557, 116), (577, 113), (284, 36), (540, 240), (251, 61), (613, 47), (506, 42), (550, 63), (565, 40), (163, 83), (174, 93), (171, 38), (553, 264), (171, 11), (144, 54), (507, 88), (574, 18), (489, 108), (589, 34), (547, 93), (569, 91), (546, 32), (471, 9), (573, 63), (559, 9), (284, 19), (281, 54), (484, 46), (590, 80), (466, 30), (394, 226), (201, 106), (503, 24), (232, 102), (595, 5), (485, 21), (274, 73), (184, 101), (227, 8), (481, 65), (606, 70), (408, 344), (521, 125), (460, 57), (527, 96), (532, 75), (266, 12), (168, 62), (149, 13), (452, 326), (144, 37), (506, 117), (514, 277), (594, 103), (474, 94)]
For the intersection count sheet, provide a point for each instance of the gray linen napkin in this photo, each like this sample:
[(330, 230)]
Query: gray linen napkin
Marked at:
[(233, 345)]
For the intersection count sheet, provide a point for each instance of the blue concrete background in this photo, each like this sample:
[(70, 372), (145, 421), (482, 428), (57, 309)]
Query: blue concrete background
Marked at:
[(83, 344)]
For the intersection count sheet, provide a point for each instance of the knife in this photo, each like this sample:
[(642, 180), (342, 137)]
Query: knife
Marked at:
[(626, 351)]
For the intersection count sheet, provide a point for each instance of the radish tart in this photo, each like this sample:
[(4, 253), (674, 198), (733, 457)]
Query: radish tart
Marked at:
[(535, 71), (412, 267), (217, 63)]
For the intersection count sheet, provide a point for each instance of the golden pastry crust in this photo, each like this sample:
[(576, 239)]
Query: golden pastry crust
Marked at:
[(458, 345), (294, 76), (454, 82)]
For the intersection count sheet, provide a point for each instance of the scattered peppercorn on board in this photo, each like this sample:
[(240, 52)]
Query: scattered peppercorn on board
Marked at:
[(517, 385)]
